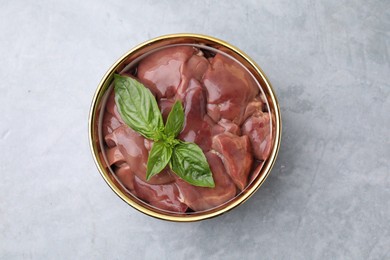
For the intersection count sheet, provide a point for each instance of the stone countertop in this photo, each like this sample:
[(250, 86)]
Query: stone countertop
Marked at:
[(328, 196)]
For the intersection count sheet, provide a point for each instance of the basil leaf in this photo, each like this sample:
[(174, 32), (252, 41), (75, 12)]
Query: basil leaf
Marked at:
[(175, 120), (190, 164), (159, 156), (138, 107)]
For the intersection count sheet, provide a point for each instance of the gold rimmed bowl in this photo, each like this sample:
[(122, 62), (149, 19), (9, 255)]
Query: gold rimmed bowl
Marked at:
[(96, 139)]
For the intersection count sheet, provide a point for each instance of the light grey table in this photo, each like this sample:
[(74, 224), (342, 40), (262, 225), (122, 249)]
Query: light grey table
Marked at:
[(328, 196)]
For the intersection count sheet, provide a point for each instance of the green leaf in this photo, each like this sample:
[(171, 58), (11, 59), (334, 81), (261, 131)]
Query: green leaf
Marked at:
[(190, 164), (159, 156), (175, 120), (138, 107)]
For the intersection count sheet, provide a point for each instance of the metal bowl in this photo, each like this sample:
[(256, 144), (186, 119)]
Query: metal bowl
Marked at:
[(95, 137)]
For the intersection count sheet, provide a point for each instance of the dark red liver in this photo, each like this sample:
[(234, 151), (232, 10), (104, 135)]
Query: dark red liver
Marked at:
[(224, 115)]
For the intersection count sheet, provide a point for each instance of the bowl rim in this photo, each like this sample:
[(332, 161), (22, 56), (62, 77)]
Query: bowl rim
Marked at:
[(203, 215)]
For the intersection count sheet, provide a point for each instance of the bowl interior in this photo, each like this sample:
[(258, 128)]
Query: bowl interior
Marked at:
[(130, 60)]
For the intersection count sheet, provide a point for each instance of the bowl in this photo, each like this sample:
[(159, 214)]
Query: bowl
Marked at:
[(96, 139)]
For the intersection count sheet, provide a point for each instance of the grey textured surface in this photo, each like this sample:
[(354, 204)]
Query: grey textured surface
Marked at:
[(328, 196)]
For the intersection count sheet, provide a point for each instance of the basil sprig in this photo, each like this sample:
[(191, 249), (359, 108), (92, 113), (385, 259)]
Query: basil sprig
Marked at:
[(139, 110)]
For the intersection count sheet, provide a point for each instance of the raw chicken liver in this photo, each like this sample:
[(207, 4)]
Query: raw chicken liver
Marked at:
[(196, 127), (229, 89), (160, 71), (164, 196), (224, 115), (236, 155), (258, 129)]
